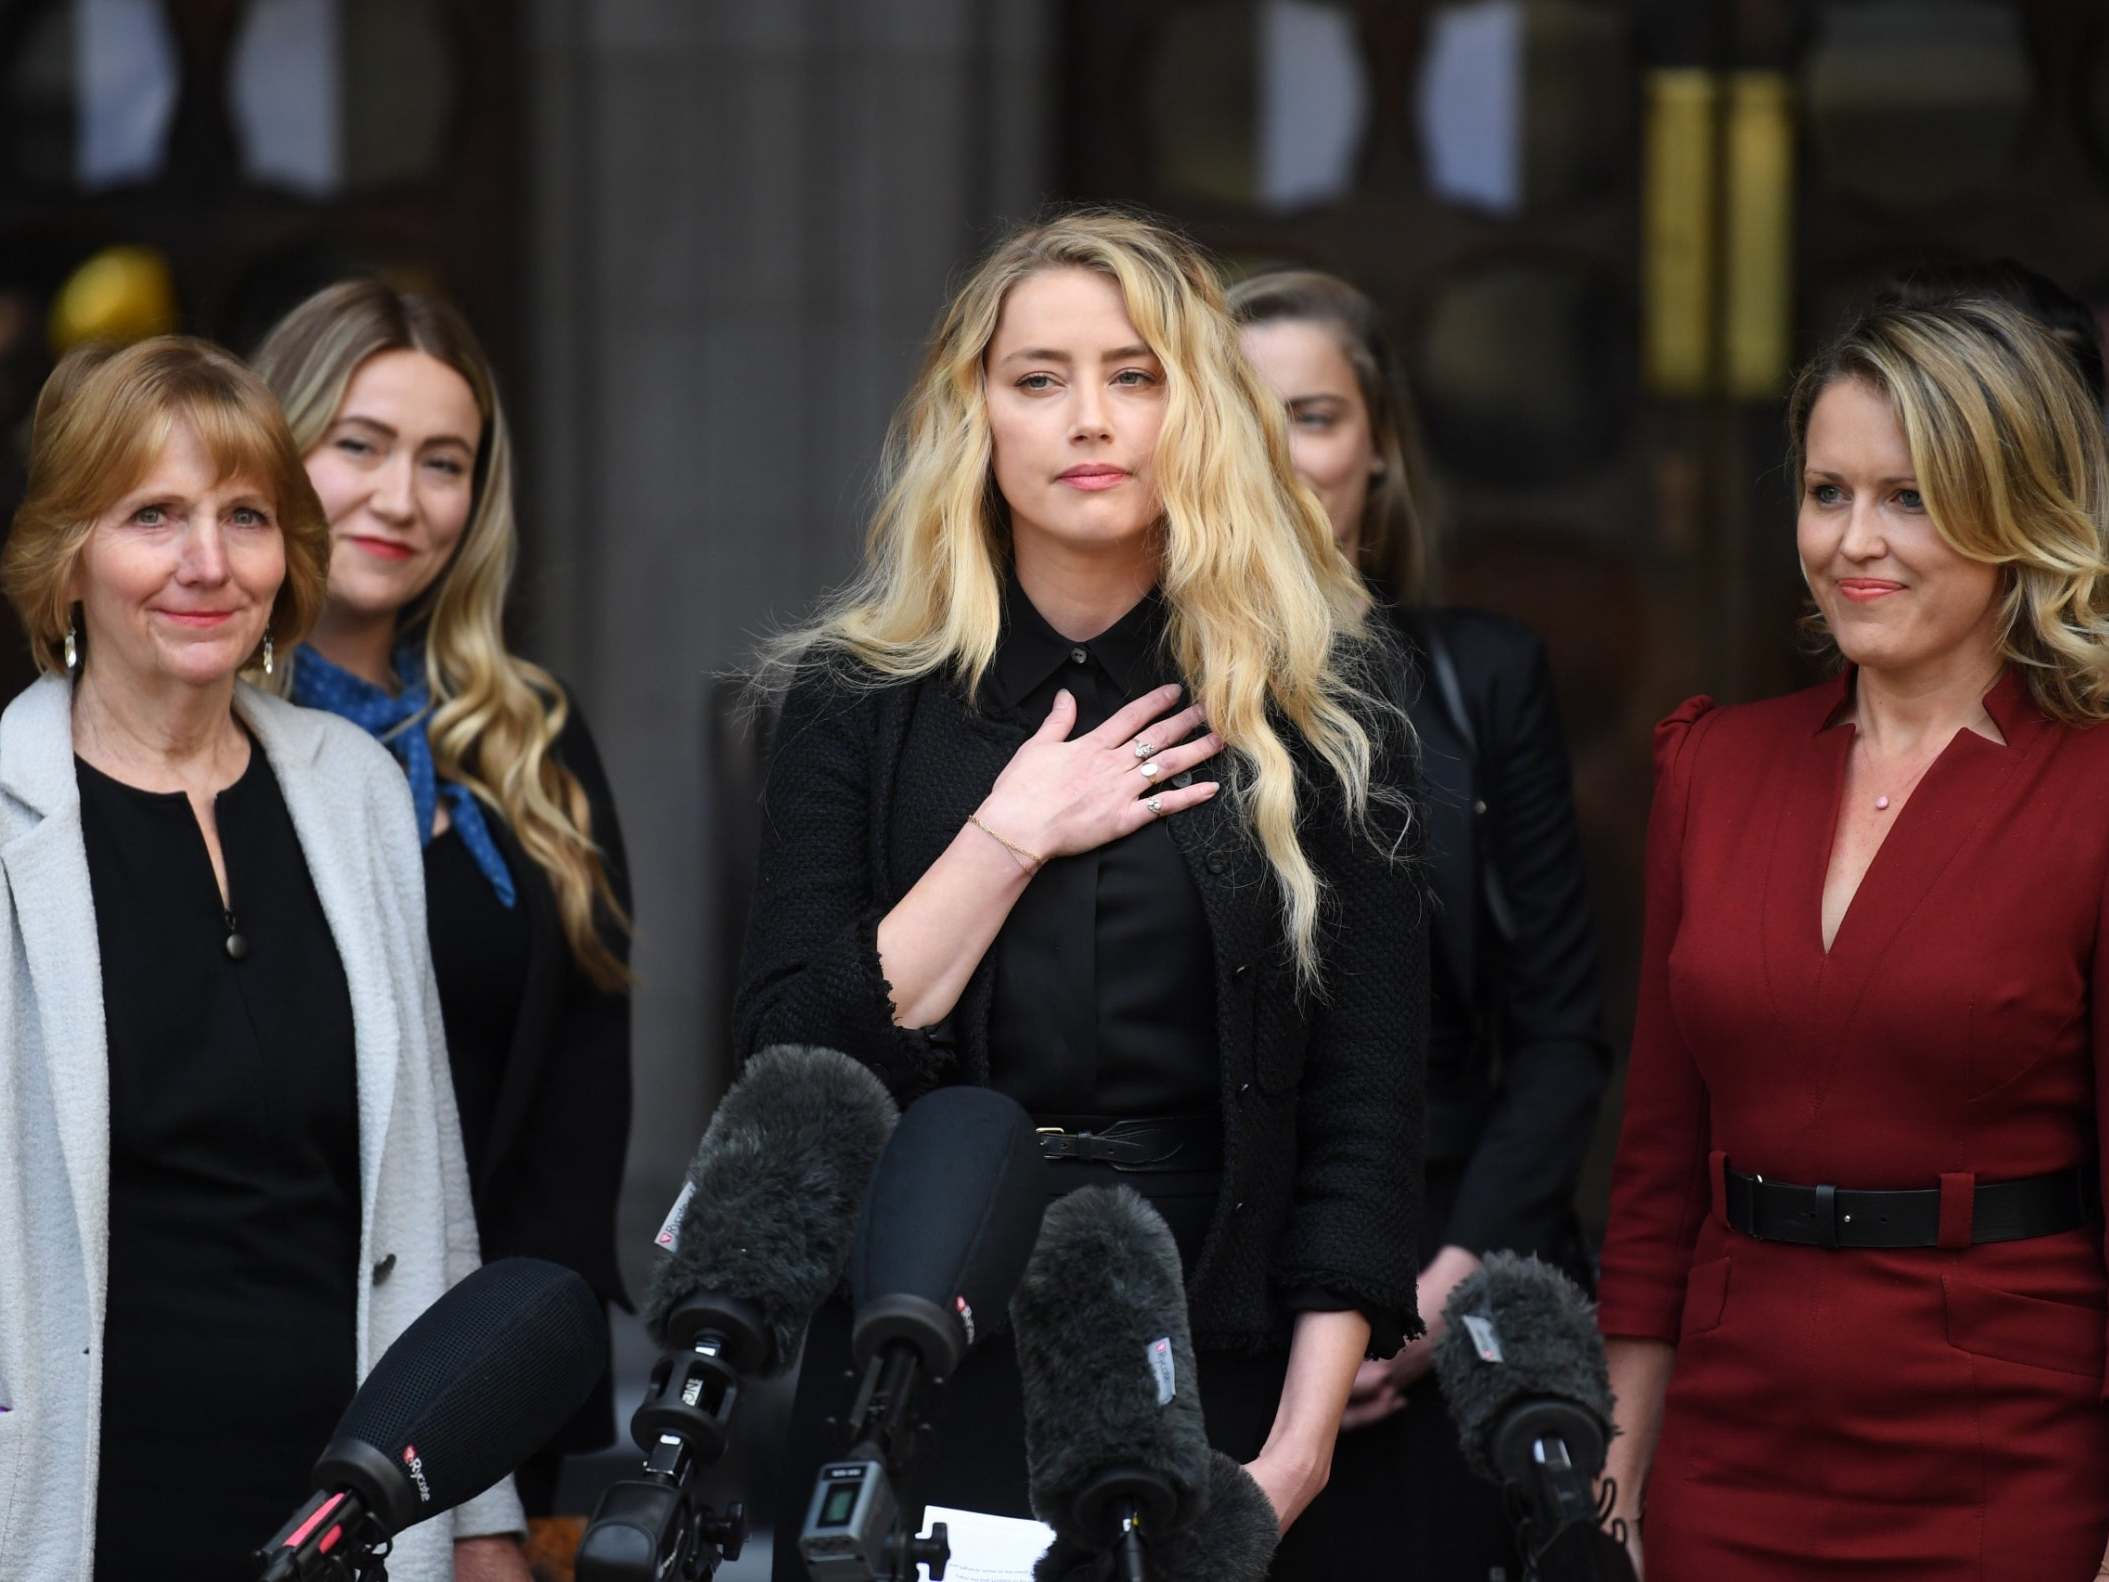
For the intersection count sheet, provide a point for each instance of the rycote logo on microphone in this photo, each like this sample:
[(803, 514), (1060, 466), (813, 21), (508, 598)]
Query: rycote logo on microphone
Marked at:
[(417, 1473), (966, 1316)]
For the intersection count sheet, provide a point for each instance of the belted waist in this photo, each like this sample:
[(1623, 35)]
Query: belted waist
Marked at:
[(1179, 1142), (1958, 1213)]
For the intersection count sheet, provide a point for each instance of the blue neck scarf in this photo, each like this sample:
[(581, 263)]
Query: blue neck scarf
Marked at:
[(398, 723)]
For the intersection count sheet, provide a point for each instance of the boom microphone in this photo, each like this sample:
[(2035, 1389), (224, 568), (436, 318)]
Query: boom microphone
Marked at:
[(757, 1240), (1522, 1365), (1117, 1453), (763, 1227), (950, 1222), (483, 1379), (1233, 1541)]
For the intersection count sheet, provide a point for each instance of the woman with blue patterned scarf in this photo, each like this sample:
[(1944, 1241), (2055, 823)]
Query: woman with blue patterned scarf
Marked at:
[(393, 405)]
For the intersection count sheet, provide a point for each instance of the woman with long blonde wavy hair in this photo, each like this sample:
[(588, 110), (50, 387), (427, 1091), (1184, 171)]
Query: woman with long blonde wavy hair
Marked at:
[(1853, 1281), (1091, 789), (394, 407)]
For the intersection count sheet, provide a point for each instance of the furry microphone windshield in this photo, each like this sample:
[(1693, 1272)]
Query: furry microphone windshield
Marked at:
[(770, 1209), (1521, 1344), (1106, 1361)]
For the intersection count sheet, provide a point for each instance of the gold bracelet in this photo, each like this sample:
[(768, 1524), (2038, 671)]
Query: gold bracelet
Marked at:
[(1030, 861)]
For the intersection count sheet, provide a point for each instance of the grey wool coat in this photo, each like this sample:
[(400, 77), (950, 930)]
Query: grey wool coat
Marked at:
[(351, 809)]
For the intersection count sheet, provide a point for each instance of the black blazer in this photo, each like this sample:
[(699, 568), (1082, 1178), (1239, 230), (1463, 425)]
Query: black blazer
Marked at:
[(550, 1170), (1515, 949), (1322, 1109)]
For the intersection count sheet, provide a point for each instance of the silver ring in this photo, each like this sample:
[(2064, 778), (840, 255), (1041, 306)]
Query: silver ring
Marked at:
[(1143, 749), (1150, 770), (1155, 804)]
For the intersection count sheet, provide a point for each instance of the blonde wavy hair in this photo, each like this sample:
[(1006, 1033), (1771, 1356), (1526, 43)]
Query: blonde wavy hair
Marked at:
[(2012, 463), (495, 716), (1267, 621), (101, 421)]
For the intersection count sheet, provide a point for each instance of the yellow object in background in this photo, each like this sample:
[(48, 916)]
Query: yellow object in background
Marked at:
[(1678, 221), (1758, 327), (121, 294)]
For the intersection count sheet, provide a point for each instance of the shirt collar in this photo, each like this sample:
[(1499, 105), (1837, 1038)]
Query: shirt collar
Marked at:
[(1131, 649)]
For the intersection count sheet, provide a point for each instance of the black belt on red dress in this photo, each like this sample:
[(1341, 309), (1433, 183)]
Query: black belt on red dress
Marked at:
[(1830, 1216), (1175, 1143)]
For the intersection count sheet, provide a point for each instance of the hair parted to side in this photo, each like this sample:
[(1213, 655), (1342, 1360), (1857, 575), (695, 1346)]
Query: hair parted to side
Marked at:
[(1267, 622), (1398, 547), (2010, 458), (100, 424), (495, 716)]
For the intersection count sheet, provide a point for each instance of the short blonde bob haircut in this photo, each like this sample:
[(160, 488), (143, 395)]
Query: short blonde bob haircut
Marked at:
[(2010, 457), (1267, 622), (101, 422)]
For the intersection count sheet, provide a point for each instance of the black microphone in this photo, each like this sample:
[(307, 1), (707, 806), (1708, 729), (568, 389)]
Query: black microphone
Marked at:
[(757, 1240), (949, 1224), (1522, 1365), (1233, 1540), (482, 1380), (1117, 1453)]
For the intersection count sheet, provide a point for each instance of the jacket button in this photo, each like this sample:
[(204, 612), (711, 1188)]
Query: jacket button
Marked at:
[(1479, 806), (1183, 779), (1244, 1088), (1238, 1207), (1078, 656), (1217, 862), (1241, 969), (383, 1269)]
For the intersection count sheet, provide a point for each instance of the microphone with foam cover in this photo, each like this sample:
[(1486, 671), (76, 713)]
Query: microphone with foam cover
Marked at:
[(481, 1381), (947, 1229), (758, 1239), (1521, 1363), (764, 1225), (1233, 1540), (951, 1220), (1117, 1453)]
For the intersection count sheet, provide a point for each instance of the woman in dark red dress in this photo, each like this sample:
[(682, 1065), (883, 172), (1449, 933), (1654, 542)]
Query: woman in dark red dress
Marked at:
[(1853, 1287)]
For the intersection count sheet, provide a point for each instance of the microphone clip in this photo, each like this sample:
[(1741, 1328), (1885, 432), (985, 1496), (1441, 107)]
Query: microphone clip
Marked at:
[(332, 1538)]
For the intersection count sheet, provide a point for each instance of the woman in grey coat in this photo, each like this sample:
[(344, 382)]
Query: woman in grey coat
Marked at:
[(230, 1166)]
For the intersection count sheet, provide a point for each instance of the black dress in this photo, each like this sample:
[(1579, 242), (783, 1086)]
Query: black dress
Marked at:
[(1517, 1058), (234, 1178), (540, 1056), (1103, 1008)]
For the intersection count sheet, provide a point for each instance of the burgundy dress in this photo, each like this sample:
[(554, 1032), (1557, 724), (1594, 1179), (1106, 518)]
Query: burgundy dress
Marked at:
[(1932, 1414)]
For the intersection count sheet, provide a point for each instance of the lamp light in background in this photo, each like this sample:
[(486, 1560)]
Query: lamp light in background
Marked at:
[(120, 294)]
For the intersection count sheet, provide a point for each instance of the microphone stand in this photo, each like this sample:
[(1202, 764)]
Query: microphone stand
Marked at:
[(1556, 1502), (652, 1528), (853, 1530)]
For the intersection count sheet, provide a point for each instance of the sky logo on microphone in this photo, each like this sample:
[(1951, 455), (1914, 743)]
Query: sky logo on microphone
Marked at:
[(1159, 1354), (417, 1473)]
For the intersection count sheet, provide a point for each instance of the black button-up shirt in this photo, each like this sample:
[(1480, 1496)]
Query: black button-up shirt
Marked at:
[(1104, 999)]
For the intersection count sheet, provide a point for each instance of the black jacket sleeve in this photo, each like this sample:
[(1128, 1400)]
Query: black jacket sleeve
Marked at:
[(1543, 988), (811, 972), (1361, 1118)]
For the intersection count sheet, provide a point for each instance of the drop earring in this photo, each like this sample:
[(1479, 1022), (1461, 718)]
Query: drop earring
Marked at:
[(267, 653), (73, 652)]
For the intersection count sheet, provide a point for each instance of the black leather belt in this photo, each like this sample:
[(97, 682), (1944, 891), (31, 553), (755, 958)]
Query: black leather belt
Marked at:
[(1828, 1216), (1177, 1143)]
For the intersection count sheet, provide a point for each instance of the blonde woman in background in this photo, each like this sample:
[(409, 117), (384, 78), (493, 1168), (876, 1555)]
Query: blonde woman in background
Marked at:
[(396, 412), (1085, 791), (1853, 1284), (1516, 1054), (230, 1171)]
